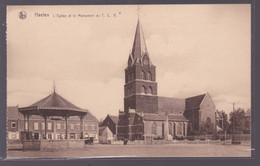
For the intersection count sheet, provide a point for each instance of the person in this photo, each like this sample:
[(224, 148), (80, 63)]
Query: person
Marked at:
[(125, 141)]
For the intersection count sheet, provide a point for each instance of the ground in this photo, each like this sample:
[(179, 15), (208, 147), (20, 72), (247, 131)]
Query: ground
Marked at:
[(172, 150)]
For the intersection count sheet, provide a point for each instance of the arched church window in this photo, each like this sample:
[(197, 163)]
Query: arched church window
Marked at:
[(143, 89), (150, 90), (143, 75), (154, 128), (149, 76), (208, 121), (179, 128)]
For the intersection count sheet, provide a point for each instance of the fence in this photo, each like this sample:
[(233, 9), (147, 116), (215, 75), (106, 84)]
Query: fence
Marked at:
[(202, 139)]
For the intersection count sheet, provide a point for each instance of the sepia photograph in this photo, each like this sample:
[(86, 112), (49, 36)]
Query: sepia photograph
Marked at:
[(120, 81)]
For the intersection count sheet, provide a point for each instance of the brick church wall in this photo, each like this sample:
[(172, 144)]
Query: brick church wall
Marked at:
[(146, 104)]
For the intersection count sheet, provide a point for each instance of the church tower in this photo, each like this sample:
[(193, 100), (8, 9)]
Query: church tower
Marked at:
[(140, 89)]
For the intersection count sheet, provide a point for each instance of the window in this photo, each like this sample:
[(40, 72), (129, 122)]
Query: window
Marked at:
[(149, 76), (43, 126), (13, 136), (77, 126), (13, 124), (142, 75), (179, 129), (89, 127), (36, 126), (143, 89), (150, 90), (133, 77), (49, 126), (71, 126), (58, 126), (86, 126), (154, 127), (49, 136), (58, 136), (72, 135)]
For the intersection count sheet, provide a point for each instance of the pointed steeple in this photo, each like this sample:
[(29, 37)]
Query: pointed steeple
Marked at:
[(139, 47)]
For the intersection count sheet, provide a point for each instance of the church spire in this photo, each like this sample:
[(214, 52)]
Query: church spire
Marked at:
[(139, 47)]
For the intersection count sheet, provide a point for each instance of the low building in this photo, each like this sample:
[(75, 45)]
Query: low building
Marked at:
[(112, 123), (105, 135)]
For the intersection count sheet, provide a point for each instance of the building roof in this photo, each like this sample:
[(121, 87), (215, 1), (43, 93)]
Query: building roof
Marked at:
[(54, 100), (87, 117), (194, 102), (176, 117), (12, 113), (53, 105), (171, 105), (154, 117), (114, 118)]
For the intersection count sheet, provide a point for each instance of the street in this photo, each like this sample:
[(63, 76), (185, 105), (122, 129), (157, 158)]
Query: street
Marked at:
[(170, 150)]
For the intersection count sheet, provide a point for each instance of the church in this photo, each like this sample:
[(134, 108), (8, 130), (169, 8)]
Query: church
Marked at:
[(148, 115)]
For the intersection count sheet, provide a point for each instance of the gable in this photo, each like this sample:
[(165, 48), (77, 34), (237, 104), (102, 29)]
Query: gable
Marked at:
[(207, 102), (194, 102), (114, 119)]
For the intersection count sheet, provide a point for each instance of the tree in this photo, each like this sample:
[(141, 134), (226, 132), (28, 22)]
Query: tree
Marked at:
[(247, 128), (237, 121), (223, 123), (100, 122), (207, 127)]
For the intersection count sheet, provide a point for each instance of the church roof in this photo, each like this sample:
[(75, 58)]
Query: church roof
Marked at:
[(171, 105), (154, 117), (139, 49), (139, 46), (176, 117), (194, 102), (162, 117)]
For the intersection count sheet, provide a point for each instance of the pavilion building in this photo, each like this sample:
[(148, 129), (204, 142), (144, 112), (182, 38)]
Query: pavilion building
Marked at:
[(51, 118)]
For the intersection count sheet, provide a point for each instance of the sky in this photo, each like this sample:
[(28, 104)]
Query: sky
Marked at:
[(195, 48)]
